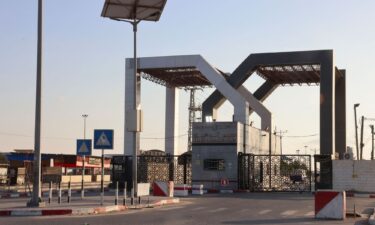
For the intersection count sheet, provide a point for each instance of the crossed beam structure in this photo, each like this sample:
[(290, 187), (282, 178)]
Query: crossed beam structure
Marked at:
[(290, 68), (187, 71), (277, 69)]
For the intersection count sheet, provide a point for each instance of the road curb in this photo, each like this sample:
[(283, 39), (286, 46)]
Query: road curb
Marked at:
[(81, 211)]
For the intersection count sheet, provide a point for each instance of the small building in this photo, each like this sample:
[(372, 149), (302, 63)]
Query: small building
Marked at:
[(215, 150)]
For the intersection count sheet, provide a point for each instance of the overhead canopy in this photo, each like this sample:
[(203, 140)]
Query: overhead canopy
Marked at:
[(175, 77), (133, 9), (290, 74)]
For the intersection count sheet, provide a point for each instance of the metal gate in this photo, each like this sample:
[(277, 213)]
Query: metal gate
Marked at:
[(286, 173), (153, 168)]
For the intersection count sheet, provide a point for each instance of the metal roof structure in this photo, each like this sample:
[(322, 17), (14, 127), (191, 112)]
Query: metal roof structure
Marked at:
[(176, 77), (290, 74)]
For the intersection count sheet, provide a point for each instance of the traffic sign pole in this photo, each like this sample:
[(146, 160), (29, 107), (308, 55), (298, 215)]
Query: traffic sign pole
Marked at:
[(83, 178), (102, 181)]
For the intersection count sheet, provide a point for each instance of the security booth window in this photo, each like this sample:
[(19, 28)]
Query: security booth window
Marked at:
[(214, 164)]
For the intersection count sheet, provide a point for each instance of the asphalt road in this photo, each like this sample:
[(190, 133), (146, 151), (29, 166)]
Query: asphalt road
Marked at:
[(246, 208)]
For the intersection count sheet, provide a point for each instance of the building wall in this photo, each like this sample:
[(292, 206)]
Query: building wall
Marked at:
[(353, 175), (259, 142), (211, 179)]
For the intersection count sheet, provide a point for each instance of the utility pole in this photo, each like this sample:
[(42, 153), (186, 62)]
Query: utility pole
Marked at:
[(356, 129), (280, 133), (361, 153), (372, 146), (193, 109), (84, 116)]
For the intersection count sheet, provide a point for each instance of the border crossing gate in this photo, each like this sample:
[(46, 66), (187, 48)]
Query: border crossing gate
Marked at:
[(284, 173)]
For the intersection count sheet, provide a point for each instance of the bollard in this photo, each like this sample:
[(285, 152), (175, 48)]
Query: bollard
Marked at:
[(69, 192), (132, 197), (116, 193), (59, 197), (148, 201), (50, 193), (124, 202), (139, 200)]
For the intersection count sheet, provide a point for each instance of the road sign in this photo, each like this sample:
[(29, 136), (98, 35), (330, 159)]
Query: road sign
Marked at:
[(103, 139), (84, 147)]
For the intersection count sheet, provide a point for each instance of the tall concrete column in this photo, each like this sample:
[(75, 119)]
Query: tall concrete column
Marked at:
[(171, 121), (340, 112), (129, 141), (327, 104)]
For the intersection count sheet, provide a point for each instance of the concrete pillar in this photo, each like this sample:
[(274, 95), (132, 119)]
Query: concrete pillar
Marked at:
[(129, 140), (171, 121), (327, 104), (340, 113)]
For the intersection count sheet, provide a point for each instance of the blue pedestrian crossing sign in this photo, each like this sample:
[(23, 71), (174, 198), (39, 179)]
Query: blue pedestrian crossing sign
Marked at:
[(103, 139), (84, 147)]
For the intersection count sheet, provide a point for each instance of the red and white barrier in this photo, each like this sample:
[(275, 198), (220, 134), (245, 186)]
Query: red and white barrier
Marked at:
[(197, 189), (330, 204), (181, 190), (163, 188)]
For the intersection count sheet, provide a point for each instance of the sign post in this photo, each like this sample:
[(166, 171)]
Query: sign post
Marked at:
[(83, 149), (103, 139)]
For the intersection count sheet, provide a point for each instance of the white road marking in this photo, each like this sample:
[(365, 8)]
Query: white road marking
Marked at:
[(171, 208), (311, 213), (264, 211), (288, 213), (198, 208), (217, 210)]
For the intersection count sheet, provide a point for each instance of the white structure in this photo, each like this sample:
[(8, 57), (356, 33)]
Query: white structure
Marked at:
[(241, 99)]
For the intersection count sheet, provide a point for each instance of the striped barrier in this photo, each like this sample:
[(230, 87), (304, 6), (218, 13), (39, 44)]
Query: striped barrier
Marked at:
[(197, 189), (330, 204), (163, 188), (180, 190)]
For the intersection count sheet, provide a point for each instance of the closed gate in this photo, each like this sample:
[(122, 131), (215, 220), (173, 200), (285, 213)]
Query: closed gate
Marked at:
[(153, 168), (287, 173)]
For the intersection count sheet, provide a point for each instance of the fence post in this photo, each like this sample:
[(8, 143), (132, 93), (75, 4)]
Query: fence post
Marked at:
[(171, 167), (116, 193), (185, 169), (69, 192), (124, 202), (59, 197), (50, 193), (132, 196)]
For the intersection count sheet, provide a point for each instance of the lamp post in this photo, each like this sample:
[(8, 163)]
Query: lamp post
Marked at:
[(133, 12), (36, 200), (356, 129), (84, 116), (372, 145)]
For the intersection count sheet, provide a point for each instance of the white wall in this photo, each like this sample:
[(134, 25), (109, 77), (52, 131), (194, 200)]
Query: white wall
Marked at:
[(353, 175)]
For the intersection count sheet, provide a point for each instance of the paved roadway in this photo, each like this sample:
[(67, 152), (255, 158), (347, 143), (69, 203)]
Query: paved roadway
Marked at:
[(247, 208)]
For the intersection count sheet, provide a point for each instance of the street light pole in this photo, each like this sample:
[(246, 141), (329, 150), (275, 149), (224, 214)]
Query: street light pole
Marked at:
[(84, 158), (372, 146), (362, 145), (356, 129), (36, 200)]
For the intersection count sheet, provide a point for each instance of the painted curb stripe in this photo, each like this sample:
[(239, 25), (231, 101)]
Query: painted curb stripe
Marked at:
[(322, 199)]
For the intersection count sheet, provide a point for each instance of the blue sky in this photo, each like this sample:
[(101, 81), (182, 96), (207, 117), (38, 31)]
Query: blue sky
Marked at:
[(84, 55)]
